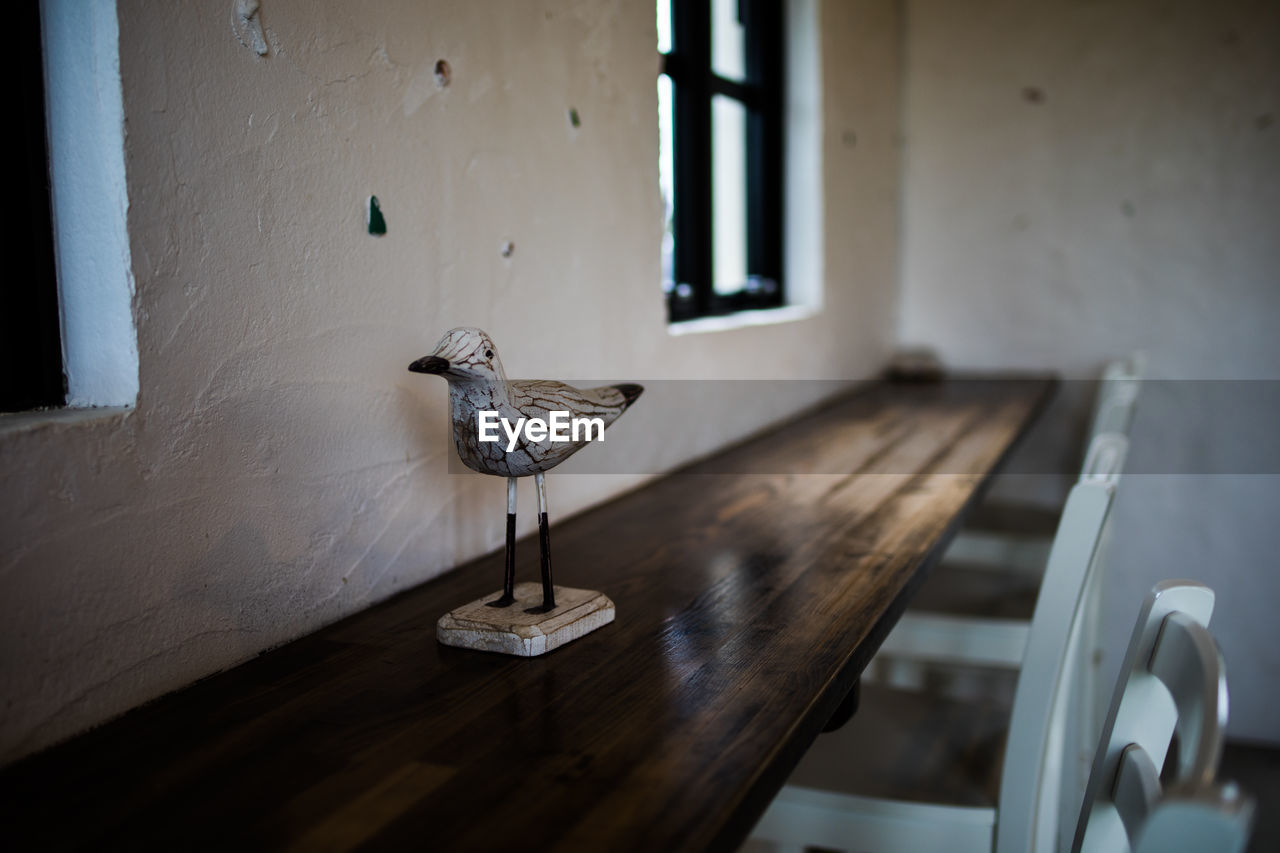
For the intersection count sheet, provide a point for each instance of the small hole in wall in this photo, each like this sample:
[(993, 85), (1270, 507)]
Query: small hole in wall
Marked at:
[(508, 249), (444, 74), (1033, 95)]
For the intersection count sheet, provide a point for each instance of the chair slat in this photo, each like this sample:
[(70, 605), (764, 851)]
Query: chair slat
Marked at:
[(1218, 819), (1187, 661), (1137, 788)]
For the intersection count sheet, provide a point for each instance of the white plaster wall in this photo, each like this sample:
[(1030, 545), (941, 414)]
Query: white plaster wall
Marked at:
[(1132, 205), (282, 469)]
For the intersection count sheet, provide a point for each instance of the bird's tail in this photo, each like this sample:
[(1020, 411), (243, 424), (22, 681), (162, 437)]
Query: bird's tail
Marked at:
[(630, 392)]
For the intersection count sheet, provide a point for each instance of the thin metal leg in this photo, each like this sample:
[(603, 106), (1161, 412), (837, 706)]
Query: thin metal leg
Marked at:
[(544, 539), (509, 582)]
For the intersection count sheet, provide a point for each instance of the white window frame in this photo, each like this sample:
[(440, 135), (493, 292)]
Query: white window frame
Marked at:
[(89, 199)]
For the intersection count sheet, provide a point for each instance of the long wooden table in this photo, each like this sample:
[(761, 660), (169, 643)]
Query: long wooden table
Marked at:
[(751, 590)]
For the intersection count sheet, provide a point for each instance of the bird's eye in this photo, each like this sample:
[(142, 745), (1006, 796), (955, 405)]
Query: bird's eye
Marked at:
[(488, 353)]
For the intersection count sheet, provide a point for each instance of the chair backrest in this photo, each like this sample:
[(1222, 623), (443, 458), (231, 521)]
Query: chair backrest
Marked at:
[(1118, 395), (1105, 457), (1077, 715), (1172, 679), (1031, 773)]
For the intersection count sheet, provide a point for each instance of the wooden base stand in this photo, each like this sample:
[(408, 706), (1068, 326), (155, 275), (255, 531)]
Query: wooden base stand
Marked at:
[(512, 631)]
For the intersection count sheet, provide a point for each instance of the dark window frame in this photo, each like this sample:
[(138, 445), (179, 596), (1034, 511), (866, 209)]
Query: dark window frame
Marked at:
[(30, 321), (694, 83)]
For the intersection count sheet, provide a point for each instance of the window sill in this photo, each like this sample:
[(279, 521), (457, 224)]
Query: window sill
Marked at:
[(12, 423), (742, 319)]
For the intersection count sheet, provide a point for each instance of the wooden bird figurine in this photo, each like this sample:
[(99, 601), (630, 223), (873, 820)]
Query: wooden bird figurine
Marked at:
[(468, 360)]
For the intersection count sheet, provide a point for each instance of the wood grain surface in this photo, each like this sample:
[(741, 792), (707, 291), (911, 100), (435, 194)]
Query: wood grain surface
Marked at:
[(751, 590)]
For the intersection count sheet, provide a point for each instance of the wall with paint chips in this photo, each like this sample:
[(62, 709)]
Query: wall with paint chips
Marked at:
[(1083, 179), (281, 468)]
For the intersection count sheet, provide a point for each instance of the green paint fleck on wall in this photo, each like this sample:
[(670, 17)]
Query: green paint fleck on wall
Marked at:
[(573, 117), (377, 223)]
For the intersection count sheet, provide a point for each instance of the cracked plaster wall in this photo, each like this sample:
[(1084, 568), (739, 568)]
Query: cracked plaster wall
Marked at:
[(281, 468)]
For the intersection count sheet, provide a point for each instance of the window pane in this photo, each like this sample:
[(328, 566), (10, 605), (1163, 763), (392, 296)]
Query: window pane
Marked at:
[(664, 26), (666, 177), (727, 38), (729, 193)]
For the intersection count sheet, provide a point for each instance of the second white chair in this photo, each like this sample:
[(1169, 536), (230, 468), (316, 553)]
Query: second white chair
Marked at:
[(1173, 680), (974, 612), (826, 801)]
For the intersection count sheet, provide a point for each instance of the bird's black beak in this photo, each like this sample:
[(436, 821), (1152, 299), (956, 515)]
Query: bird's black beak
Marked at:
[(430, 364)]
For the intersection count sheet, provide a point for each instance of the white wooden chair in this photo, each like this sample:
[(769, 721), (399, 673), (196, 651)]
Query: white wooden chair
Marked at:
[(1005, 536), (825, 804), (1172, 680), (931, 637), (1118, 395), (924, 640), (971, 614)]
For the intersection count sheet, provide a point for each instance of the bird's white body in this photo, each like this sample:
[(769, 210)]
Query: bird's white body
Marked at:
[(477, 383), (467, 358)]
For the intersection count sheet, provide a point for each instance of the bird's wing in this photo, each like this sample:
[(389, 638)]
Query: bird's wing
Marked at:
[(535, 398), (538, 398)]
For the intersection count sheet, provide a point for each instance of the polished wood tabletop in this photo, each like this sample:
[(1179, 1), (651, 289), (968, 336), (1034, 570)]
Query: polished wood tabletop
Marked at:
[(751, 590)]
